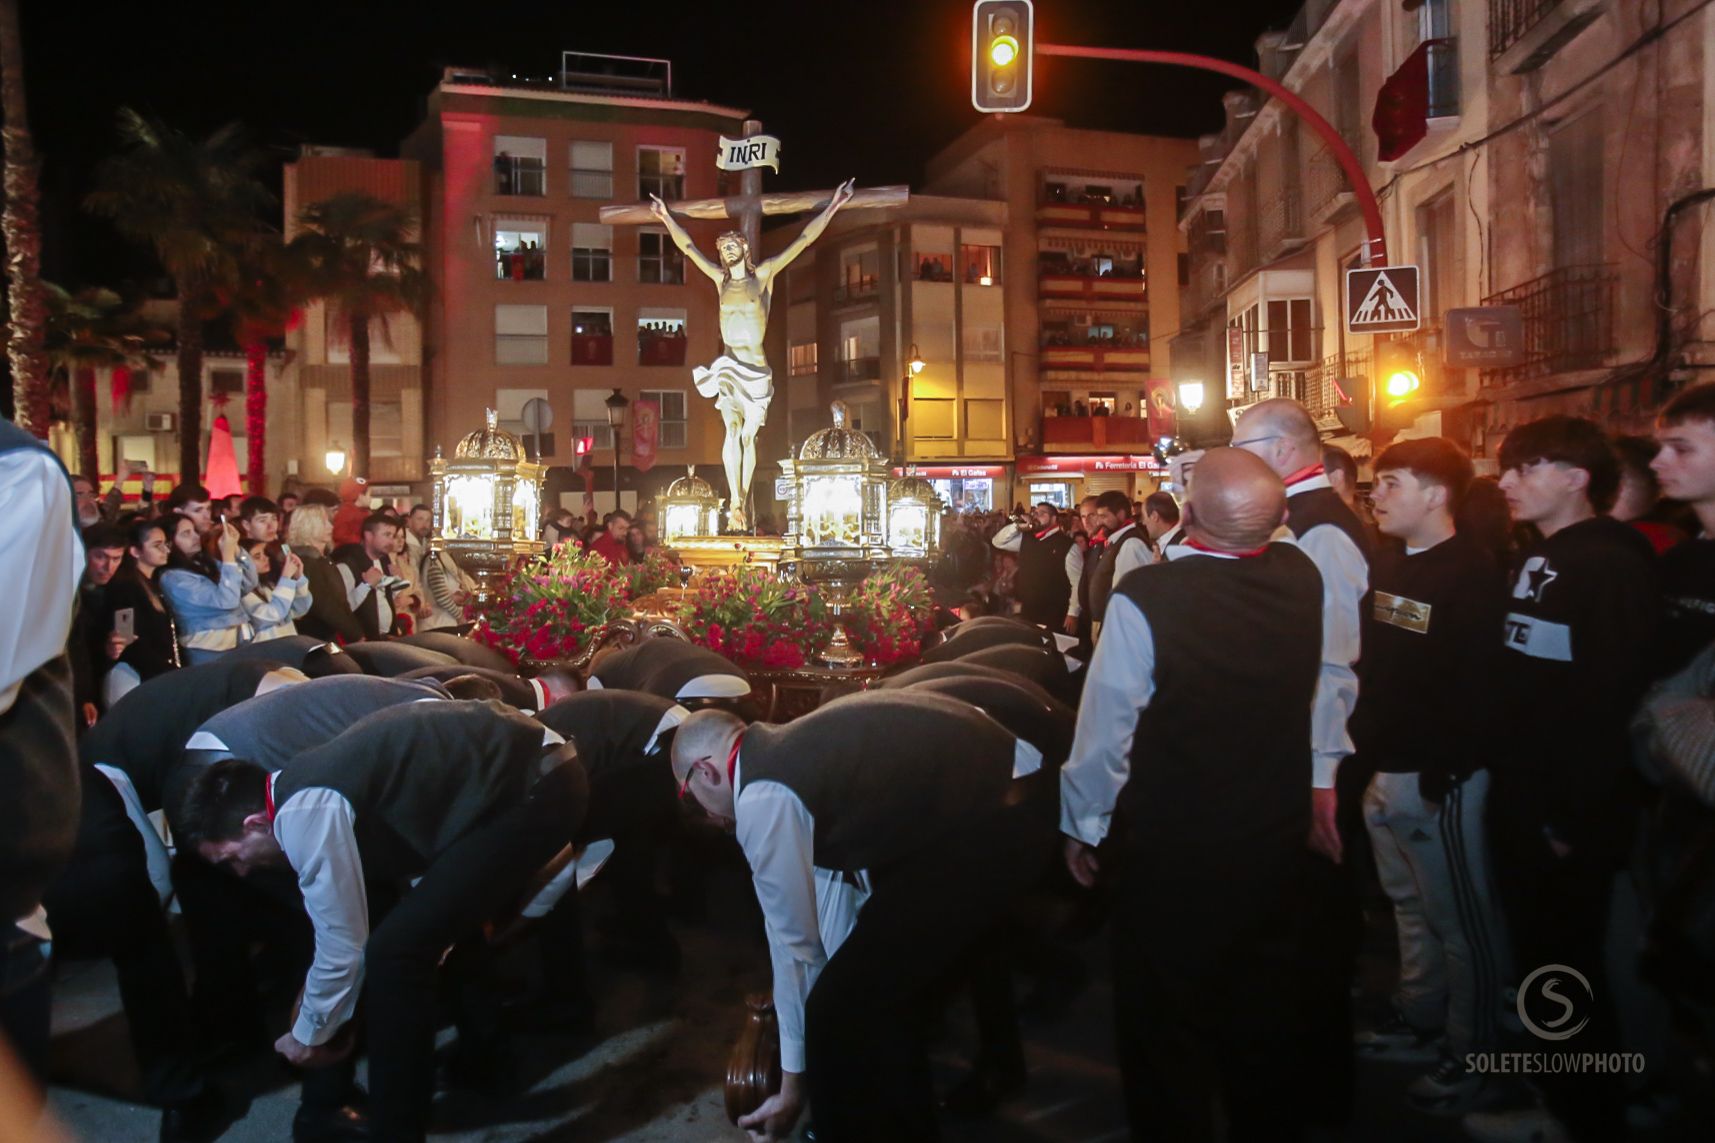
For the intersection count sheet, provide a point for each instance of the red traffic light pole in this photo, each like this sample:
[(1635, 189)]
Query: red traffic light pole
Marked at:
[(1375, 250)]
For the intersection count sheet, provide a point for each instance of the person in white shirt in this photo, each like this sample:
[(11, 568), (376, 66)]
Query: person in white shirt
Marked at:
[(1049, 565), (1217, 808), (884, 839), (1127, 549)]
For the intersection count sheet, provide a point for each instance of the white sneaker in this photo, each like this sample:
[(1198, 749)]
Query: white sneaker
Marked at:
[(1448, 1090), (1527, 1125)]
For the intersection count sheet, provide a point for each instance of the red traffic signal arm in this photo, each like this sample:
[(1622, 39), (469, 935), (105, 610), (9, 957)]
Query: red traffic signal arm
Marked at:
[(1376, 247)]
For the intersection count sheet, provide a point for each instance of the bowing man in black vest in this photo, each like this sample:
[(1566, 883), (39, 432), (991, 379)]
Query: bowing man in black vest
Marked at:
[(1126, 548), (885, 835), (1049, 564), (464, 802), (1216, 808), (1282, 434)]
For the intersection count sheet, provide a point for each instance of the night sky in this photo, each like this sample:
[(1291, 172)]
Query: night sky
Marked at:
[(870, 88)]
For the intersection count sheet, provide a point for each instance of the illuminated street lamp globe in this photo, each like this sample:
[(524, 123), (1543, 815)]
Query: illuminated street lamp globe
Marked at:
[(690, 508), (487, 501), (913, 518)]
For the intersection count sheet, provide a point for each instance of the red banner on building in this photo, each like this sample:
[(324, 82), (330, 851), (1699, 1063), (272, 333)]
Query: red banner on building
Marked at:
[(645, 433), (1163, 417)]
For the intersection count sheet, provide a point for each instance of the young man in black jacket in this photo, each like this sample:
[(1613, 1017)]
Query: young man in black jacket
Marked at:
[(1579, 629), (1424, 724), (1685, 465)]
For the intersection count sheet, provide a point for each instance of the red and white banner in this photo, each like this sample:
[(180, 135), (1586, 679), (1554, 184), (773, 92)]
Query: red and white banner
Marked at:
[(645, 433), (1163, 417), (1080, 465)]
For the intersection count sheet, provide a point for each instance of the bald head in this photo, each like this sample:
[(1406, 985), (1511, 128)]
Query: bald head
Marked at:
[(700, 749), (1236, 502), (1281, 432)]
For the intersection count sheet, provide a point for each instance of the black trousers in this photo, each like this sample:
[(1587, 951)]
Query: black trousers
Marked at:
[(104, 905), (476, 877), (1204, 1004), (864, 1025), (1557, 913)]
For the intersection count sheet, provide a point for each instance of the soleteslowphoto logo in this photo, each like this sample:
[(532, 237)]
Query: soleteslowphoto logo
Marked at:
[(1554, 1002)]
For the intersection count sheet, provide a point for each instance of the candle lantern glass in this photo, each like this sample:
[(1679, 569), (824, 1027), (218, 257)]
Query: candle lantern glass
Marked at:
[(836, 521), (690, 508), (913, 519), (487, 502)]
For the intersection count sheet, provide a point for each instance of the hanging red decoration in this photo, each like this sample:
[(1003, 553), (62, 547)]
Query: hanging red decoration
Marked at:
[(256, 414), (120, 388)]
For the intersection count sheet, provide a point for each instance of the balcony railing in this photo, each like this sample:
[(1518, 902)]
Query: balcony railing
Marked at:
[(1323, 384), (1097, 357), (513, 175), (1282, 223), (660, 348), (857, 289), (1326, 187), (1568, 321), (1101, 215), (525, 265), (1058, 283), (1511, 20), (1095, 433), (860, 369)]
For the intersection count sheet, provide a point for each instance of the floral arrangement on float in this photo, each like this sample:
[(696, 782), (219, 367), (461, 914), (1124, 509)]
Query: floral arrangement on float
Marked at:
[(553, 607), (656, 571), (888, 614), (754, 619)]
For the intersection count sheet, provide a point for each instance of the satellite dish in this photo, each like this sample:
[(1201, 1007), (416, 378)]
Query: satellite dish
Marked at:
[(537, 416)]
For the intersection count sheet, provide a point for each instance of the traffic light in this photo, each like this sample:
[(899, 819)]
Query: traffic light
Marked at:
[(1354, 407), (1002, 53), (1399, 381)]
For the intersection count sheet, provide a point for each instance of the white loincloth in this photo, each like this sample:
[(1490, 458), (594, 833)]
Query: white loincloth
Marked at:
[(745, 389)]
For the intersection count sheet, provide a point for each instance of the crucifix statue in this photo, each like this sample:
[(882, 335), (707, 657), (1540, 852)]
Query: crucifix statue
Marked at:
[(740, 381)]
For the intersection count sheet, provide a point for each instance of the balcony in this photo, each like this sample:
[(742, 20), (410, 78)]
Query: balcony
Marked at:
[(1280, 229), (516, 176), (1524, 34), (1094, 214), (860, 369), (1325, 381), (529, 264), (1104, 288), (1568, 322), (1327, 190), (1094, 434), (592, 349), (857, 289), (661, 347), (1096, 357)]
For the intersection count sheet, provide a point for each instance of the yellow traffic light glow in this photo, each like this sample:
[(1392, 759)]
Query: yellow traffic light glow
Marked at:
[(1402, 384), (1003, 50)]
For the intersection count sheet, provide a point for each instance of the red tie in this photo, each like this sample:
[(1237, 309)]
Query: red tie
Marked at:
[(732, 762)]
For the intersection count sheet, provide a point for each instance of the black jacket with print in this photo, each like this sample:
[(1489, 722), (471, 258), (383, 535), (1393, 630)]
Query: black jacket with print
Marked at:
[(1580, 629)]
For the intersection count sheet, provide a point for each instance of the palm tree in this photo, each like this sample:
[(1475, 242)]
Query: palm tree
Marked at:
[(89, 330), (197, 203), (263, 303), (366, 264), (21, 227)]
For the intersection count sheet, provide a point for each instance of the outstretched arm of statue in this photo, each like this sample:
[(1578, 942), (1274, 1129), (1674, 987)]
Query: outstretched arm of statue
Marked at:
[(812, 231), (681, 239)]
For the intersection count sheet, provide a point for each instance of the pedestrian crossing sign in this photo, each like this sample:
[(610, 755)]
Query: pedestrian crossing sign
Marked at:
[(1382, 300)]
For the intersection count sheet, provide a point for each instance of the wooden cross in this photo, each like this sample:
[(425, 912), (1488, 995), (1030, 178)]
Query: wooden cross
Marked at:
[(750, 204)]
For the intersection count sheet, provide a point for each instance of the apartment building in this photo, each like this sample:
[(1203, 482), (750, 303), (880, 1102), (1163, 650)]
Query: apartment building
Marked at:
[(535, 297), (1524, 153), (1027, 278)]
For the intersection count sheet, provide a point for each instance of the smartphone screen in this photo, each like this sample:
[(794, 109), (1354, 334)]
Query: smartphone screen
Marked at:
[(125, 622)]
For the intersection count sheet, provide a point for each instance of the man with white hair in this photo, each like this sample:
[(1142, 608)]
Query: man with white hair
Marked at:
[(900, 806)]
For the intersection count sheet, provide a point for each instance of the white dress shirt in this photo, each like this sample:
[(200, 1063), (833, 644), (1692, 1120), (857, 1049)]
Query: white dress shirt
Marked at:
[(1130, 555), (316, 829), (356, 590), (42, 559), (1345, 579)]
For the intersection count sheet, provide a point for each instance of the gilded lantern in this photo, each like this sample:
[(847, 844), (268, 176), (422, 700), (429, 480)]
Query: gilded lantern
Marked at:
[(689, 508), (913, 518), (836, 519), (487, 504)]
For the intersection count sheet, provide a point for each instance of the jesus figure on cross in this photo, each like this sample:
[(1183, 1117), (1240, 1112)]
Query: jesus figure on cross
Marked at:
[(740, 380)]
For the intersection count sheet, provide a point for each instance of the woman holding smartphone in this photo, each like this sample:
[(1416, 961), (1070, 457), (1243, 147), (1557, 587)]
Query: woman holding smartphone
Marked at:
[(281, 594), (142, 641), (204, 585)]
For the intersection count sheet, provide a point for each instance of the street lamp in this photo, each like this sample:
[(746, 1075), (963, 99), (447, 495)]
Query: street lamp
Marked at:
[(615, 418), (1191, 396), (913, 366), (335, 459)]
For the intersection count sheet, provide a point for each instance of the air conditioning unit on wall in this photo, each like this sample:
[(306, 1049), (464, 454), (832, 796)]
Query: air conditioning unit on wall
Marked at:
[(161, 422)]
